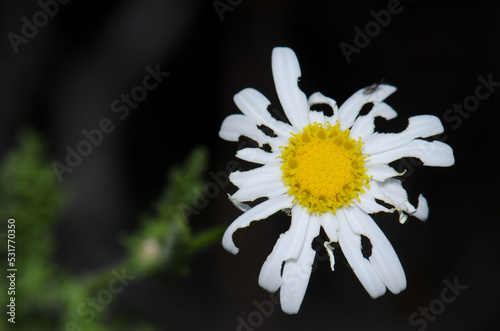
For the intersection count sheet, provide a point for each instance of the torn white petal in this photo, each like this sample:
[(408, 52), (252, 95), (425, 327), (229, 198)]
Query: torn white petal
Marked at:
[(318, 98), (351, 107), (240, 205), (421, 126), (296, 273), (392, 192), (383, 258), (288, 246), (364, 126), (435, 153), (402, 216), (350, 243), (258, 212), (254, 104), (369, 205), (422, 212), (237, 125)]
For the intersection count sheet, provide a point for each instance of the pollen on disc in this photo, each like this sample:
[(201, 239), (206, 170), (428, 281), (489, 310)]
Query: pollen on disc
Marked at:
[(324, 168)]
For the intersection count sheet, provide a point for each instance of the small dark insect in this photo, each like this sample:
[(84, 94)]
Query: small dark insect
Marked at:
[(372, 88)]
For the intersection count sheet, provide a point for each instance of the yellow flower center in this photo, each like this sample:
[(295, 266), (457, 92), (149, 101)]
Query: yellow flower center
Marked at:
[(324, 168)]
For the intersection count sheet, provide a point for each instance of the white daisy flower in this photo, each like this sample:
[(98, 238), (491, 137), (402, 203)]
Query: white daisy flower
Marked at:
[(330, 172)]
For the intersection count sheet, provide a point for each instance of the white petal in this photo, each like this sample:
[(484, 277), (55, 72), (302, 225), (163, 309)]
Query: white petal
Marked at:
[(259, 189), (259, 182), (330, 224), (258, 155), (369, 205), (422, 212), (381, 172), (268, 171), (435, 153), (318, 98), (240, 205), (316, 116), (286, 72), (237, 125), (351, 247), (352, 106), (364, 125), (383, 258), (418, 127), (254, 104), (296, 273), (392, 192), (258, 212), (288, 246)]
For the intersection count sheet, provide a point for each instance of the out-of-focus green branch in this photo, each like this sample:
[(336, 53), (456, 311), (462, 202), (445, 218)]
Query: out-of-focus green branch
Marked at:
[(164, 238), (47, 297)]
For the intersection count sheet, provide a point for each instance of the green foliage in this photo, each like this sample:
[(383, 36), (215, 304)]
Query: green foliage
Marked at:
[(49, 298), (164, 238), (29, 193)]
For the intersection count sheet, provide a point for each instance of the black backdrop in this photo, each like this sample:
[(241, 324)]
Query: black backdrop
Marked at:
[(64, 77)]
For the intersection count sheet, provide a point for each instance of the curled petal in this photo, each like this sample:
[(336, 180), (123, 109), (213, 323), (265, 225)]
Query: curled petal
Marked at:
[(240, 205), (330, 224), (422, 212), (329, 249)]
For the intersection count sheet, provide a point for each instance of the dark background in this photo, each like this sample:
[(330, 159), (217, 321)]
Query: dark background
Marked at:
[(66, 77)]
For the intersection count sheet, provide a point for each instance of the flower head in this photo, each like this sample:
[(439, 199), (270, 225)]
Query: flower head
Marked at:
[(331, 172)]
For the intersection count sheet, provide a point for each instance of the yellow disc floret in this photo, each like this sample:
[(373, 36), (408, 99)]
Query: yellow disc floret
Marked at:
[(324, 168)]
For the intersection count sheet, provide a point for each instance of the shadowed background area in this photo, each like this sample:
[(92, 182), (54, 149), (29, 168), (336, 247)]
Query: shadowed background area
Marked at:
[(157, 78)]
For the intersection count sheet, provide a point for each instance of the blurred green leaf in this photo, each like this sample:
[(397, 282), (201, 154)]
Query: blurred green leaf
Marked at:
[(164, 238), (46, 295)]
